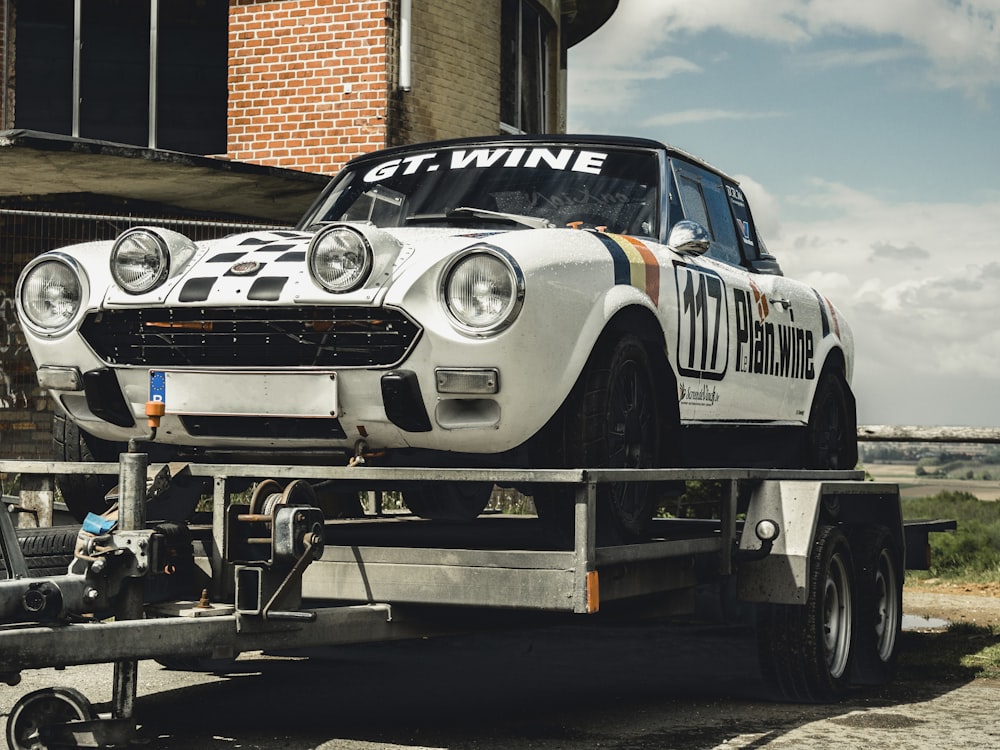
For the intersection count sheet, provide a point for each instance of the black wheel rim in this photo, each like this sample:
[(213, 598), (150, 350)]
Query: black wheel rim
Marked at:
[(632, 437)]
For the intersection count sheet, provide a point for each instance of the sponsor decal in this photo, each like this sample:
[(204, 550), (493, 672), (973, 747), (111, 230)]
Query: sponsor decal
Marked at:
[(702, 322), (537, 157), (634, 263), (700, 395), (764, 347)]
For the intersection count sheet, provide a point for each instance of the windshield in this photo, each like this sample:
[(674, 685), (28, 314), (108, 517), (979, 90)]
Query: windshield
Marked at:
[(507, 185)]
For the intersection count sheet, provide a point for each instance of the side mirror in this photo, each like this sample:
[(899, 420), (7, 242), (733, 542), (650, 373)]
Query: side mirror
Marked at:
[(689, 238)]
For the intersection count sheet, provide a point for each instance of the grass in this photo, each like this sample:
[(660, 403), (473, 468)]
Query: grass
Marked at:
[(961, 652), (970, 553)]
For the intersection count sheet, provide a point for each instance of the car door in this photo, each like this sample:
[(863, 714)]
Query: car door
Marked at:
[(781, 324), (723, 309)]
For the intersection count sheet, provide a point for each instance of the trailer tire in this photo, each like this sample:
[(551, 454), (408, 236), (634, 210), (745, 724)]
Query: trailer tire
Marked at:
[(42, 708), (82, 493), (879, 606), (805, 651), (612, 419)]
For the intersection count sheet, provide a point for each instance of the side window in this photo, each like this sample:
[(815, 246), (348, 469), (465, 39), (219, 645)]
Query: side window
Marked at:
[(704, 199), (744, 225)]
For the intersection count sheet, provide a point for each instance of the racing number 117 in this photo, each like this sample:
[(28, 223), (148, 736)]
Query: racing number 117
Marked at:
[(702, 342)]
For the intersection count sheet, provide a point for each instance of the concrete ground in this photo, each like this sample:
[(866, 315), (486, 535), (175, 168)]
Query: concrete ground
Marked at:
[(619, 686)]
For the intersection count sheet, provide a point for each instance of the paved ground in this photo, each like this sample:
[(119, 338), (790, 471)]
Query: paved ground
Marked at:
[(617, 686)]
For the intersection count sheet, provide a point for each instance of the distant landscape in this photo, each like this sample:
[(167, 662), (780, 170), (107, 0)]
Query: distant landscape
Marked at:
[(925, 470)]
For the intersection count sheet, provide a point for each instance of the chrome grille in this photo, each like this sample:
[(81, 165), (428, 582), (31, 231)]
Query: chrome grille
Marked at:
[(251, 336)]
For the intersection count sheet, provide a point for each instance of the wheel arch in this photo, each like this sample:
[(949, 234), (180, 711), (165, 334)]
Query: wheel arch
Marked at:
[(642, 322)]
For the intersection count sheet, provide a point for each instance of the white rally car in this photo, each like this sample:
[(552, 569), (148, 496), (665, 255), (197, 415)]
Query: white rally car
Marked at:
[(545, 301)]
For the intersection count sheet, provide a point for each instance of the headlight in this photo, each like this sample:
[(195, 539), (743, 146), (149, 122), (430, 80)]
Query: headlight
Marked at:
[(50, 293), (140, 261), (483, 290), (339, 259)]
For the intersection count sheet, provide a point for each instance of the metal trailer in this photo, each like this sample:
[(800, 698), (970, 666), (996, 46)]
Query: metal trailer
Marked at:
[(820, 553)]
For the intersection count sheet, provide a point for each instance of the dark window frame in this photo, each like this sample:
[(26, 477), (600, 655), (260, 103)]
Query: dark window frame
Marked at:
[(525, 31), (155, 114)]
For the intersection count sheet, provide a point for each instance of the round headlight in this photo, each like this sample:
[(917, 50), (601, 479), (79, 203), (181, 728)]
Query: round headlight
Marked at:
[(140, 261), (483, 291), (339, 259), (50, 294)]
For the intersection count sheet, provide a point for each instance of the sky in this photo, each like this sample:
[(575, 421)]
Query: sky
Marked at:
[(866, 134)]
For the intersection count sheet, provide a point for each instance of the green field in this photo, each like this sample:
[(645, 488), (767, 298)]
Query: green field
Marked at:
[(911, 485)]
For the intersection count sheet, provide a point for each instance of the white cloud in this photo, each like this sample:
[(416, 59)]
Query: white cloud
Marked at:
[(853, 58), (689, 116), (920, 286), (960, 39), (606, 87)]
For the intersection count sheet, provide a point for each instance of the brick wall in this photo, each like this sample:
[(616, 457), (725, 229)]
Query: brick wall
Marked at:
[(455, 69), (308, 81)]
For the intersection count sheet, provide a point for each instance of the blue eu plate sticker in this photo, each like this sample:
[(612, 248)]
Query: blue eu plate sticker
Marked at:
[(157, 385)]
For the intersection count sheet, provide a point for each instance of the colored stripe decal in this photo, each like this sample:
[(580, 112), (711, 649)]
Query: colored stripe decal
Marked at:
[(634, 263), (623, 270), (651, 267)]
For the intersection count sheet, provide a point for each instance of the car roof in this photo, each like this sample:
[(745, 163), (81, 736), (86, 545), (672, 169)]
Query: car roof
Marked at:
[(557, 138)]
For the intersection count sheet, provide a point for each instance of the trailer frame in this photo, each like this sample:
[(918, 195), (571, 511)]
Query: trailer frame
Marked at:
[(367, 580)]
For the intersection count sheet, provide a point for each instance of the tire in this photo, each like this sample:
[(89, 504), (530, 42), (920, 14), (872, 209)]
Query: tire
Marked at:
[(805, 651), (47, 552), (879, 607), (447, 501), (82, 493), (832, 439), (612, 419), (43, 708)]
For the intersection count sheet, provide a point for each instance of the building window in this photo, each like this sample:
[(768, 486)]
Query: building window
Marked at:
[(524, 32), (147, 73)]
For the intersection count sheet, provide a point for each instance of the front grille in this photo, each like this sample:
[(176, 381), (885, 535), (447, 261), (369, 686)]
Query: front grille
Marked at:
[(251, 336)]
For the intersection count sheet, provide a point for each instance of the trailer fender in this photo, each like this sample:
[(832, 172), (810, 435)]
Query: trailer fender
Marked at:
[(798, 507), (781, 576)]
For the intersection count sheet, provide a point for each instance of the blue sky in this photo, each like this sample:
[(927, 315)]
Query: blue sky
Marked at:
[(867, 136)]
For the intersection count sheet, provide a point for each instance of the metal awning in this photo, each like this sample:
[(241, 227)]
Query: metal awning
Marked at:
[(37, 164)]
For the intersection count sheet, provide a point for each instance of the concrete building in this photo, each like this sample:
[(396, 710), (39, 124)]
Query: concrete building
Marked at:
[(206, 113)]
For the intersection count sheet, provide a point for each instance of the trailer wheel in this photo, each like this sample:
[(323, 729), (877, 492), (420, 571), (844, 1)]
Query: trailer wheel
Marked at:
[(832, 441), (43, 708), (879, 607), (447, 501), (48, 551), (805, 651), (613, 420), (82, 493)]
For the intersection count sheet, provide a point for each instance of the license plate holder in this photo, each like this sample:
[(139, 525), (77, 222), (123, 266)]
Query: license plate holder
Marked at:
[(245, 393)]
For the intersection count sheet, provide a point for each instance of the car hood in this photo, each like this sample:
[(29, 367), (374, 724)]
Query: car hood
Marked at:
[(270, 267)]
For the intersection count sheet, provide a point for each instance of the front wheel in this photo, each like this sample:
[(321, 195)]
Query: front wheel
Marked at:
[(82, 493), (612, 419), (806, 651)]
